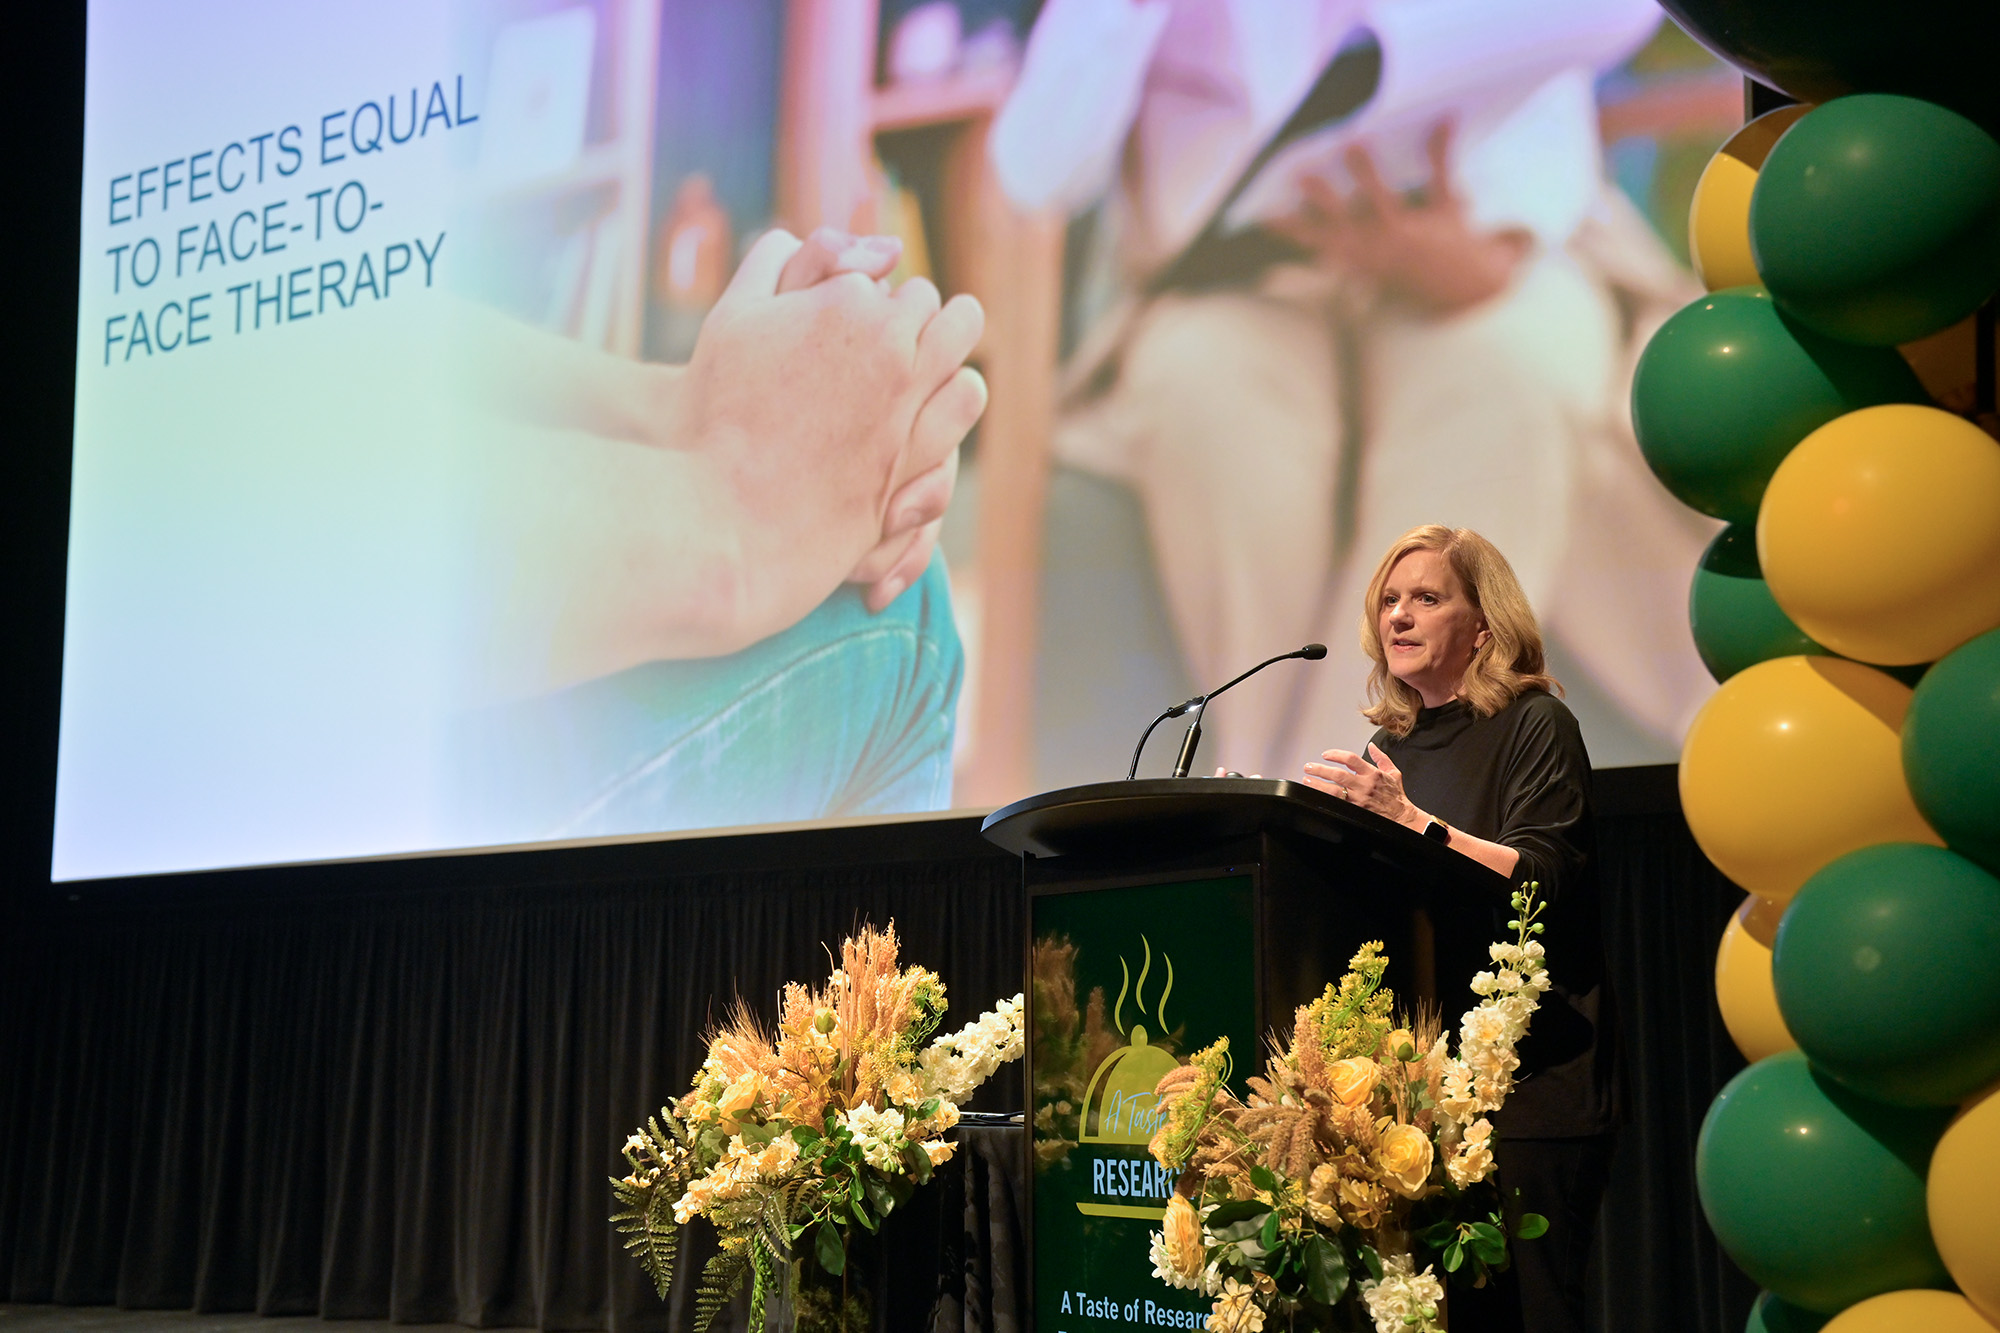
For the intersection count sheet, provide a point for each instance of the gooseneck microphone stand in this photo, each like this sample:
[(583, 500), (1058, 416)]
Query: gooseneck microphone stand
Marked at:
[(1312, 652)]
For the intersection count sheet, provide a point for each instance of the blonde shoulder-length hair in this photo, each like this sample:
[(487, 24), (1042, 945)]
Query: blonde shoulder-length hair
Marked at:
[(1506, 666)]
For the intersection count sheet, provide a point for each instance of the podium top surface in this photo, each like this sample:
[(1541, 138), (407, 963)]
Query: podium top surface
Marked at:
[(1111, 817)]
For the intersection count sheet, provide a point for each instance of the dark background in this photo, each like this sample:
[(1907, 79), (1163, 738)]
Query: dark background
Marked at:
[(395, 1089)]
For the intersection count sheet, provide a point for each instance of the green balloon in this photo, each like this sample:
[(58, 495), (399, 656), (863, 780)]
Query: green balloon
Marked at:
[(1817, 50), (1951, 749), (1885, 971), (1727, 387), (1818, 1193), (1736, 621), (1771, 1315), (1876, 219)]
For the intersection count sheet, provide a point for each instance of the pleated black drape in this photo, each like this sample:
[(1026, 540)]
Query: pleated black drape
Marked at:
[(401, 1109), (1657, 1265), (405, 1104)]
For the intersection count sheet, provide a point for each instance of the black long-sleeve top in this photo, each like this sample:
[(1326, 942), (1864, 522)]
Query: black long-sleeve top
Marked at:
[(1521, 778)]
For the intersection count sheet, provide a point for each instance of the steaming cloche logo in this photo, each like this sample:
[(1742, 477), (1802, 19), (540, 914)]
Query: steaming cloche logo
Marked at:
[(1119, 1106)]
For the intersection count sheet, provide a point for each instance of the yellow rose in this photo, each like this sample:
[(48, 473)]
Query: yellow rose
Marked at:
[(1393, 1044), (1353, 1080), (1182, 1229), (738, 1098), (1406, 1159)]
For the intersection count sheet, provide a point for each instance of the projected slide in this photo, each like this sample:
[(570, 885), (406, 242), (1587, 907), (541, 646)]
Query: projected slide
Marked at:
[(462, 459)]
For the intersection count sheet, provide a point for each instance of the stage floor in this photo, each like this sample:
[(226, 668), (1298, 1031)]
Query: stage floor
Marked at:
[(110, 1319)]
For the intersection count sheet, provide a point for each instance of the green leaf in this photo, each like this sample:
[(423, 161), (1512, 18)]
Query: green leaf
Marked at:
[(1372, 1261), (1267, 1236), (1454, 1255), (761, 1135), (918, 1161), (1241, 1229), (1485, 1231), (1235, 1211), (1437, 1233), (1326, 1271), (805, 1135), (879, 1198), (1531, 1226), (829, 1250), (1263, 1178)]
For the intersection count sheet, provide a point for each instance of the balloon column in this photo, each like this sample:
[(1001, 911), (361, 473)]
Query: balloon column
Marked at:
[(1852, 1170)]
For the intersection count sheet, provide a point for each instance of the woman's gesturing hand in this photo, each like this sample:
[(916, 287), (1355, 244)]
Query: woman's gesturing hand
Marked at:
[(1376, 786)]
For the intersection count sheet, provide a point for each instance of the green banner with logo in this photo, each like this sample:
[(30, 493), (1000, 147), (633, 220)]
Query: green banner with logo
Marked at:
[(1128, 983)]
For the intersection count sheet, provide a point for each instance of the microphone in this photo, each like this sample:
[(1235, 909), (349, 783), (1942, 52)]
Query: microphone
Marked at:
[(1312, 652)]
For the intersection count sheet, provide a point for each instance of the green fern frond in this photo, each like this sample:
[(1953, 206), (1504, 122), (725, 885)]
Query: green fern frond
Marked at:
[(650, 1233), (661, 1160), (721, 1279), (770, 1227)]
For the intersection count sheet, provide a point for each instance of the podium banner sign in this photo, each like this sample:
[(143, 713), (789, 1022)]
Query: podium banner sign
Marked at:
[(1128, 983)]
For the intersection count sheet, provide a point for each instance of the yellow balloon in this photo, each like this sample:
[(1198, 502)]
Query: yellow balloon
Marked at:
[(1964, 1198), (1912, 1311), (1743, 987), (1719, 213), (1794, 762), (1880, 534)]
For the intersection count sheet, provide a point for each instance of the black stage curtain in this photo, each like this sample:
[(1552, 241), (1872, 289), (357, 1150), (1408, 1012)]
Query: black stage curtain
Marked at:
[(405, 1103)]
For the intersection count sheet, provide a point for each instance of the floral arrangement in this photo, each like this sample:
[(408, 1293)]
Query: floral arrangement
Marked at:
[(1070, 1042), (831, 1121), (1365, 1147)]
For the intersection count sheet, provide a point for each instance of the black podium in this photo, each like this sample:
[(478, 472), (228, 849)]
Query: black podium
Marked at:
[(1165, 914)]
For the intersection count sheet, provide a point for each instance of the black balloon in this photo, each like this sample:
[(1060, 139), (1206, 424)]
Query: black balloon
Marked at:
[(1939, 50)]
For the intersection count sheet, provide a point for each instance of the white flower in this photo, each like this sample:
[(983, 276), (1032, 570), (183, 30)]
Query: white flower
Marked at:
[(1403, 1301), (1494, 1061), (1483, 1026), (879, 1135), (1457, 1100), (1473, 1161), (1236, 1310), (958, 1062), (1493, 1091)]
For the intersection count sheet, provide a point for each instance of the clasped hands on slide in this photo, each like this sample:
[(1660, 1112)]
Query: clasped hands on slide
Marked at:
[(875, 400), (645, 513)]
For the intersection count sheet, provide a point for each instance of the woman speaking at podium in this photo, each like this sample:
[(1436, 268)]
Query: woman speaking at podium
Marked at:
[(1476, 752)]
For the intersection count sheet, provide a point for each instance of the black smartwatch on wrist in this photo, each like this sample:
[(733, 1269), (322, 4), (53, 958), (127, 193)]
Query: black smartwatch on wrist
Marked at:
[(1438, 831)]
